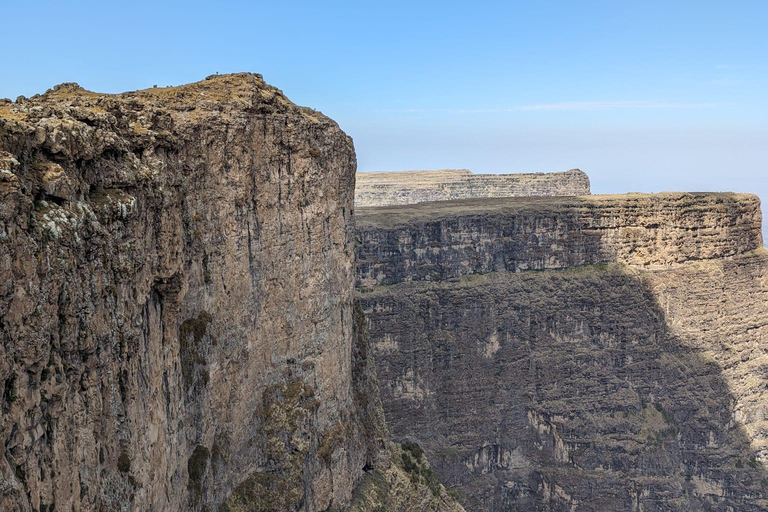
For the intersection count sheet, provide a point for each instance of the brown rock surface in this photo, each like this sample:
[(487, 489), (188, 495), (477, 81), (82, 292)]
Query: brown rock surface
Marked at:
[(409, 187), (442, 240), (179, 329), (176, 308), (597, 386)]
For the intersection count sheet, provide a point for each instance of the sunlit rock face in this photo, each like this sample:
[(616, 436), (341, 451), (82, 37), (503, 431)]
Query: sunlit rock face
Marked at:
[(560, 354), (409, 187), (443, 240), (176, 278)]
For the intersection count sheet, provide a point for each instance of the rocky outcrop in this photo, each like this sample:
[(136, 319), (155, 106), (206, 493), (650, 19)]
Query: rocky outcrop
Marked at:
[(596, 385), (180, 330), (436, 241), (176, 303), (409, 187), (406, 484)]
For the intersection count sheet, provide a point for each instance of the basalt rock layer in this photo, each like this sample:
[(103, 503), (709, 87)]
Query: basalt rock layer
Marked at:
[(176, 303), (442, 240), (628, 375), (409, 187)]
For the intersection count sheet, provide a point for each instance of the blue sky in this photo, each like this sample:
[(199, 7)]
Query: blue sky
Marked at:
[(642, 95)]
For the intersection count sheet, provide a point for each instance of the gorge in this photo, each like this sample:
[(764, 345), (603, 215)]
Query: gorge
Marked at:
[(199, 311), (592, 353)]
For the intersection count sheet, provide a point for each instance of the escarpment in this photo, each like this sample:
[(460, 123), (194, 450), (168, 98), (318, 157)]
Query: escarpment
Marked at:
[(176, 304), (434, 241), (602, 353), (181, 331), (409, 187)]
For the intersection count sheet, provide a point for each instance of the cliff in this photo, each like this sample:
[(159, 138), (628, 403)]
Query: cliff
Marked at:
[(625, 376), (443, 240), (176, 303), (180, 329), (409, 187)]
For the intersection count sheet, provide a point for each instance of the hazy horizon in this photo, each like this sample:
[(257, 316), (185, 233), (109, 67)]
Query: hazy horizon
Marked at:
[(643, 97)]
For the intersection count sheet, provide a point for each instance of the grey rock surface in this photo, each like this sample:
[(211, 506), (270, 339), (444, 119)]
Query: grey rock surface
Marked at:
[(409, 187)]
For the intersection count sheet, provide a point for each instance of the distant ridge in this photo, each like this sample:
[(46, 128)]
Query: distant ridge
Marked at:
[(383, 188)]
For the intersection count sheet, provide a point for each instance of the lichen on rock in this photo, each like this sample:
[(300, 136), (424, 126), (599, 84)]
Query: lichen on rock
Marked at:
[(167, 256)]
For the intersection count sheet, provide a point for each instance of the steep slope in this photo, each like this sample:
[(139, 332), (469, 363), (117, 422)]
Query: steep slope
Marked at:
[(176, 302), (630, 376)]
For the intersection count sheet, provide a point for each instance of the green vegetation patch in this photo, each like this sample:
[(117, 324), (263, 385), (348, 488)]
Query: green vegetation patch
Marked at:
[(415, 465), (263, 492), (372, 493), (406, 484), (286, 414), (332, 439)]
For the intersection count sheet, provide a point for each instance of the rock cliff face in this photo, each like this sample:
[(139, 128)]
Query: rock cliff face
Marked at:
[(630, 378), (176, 303), (435, 241), (180, 329), (409, 187)]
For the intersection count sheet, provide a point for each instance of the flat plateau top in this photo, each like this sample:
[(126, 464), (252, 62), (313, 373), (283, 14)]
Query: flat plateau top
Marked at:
[(425, 178), (397, 176), (391, 216)]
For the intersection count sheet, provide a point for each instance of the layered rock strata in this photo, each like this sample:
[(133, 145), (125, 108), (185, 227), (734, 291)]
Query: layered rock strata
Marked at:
[(629, 377), (176, 303), (409, 187), (436, 241)]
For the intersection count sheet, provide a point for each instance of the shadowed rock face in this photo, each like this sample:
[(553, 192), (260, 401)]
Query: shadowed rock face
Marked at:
[(176, 272), (409, 187), (598, 387), (179, 329), (177, 313)]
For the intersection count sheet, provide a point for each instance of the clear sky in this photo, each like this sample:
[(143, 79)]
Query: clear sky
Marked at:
[(642, 95)]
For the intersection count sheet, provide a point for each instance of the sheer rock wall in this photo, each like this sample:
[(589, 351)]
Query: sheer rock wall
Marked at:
[(176, 301), (628, 375), (409, 187), (442, 240)]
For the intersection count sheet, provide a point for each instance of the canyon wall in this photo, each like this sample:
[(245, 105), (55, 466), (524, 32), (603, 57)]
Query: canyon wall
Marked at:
[(435, 241), (180, 329), (409, 187), (627, 375), (176, 304)]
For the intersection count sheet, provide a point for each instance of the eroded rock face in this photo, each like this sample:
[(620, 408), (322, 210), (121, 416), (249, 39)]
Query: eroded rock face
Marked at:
[(176, 273), (409, 187), (437, 241), (630, 386)]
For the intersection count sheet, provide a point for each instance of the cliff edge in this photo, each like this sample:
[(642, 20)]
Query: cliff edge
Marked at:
[(410, 187), (176, 303), (591, 353)]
